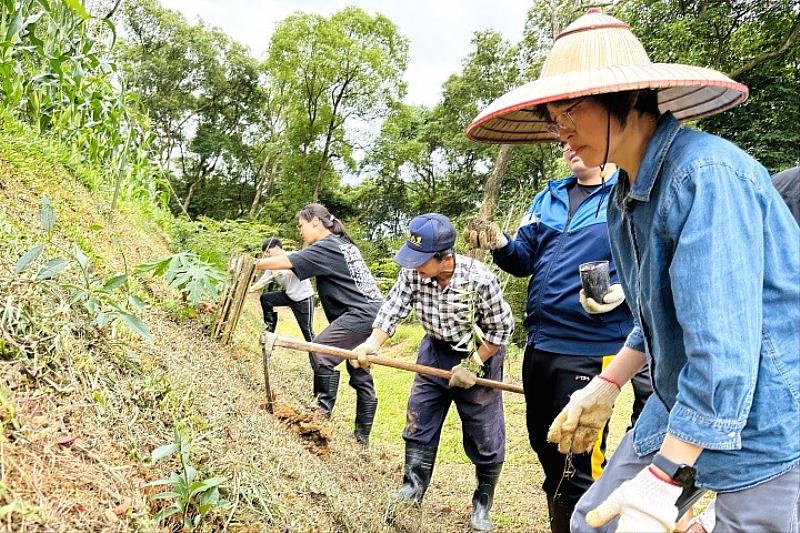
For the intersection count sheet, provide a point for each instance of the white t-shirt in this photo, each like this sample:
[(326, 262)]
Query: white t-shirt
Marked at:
[(295, 289)]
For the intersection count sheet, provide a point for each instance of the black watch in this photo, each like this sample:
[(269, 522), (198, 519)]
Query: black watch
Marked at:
[(683, 475)]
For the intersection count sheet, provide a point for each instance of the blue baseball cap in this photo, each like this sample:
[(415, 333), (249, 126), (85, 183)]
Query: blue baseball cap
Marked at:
[(428, 234)]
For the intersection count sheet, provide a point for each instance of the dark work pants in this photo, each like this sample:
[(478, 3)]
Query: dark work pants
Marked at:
[(480, 408), (335, 335), (549, 379), (303, 310)]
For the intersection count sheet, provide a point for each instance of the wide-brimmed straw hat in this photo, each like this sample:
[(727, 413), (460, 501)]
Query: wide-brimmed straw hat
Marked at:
[(598, 54)]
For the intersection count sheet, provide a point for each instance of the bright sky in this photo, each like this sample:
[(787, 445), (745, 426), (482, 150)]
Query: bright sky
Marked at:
[(440, 31)]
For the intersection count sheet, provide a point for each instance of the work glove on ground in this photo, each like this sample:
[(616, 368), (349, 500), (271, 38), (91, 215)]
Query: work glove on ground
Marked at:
[(576, 426), (613, 298), (368, 347), (484, 234), (462, 377), (644, 503)]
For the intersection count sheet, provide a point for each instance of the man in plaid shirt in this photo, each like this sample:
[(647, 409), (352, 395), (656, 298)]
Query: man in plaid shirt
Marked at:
[(467, 323)]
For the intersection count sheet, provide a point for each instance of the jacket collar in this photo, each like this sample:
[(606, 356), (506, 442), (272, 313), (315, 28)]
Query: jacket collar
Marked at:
[(563, 183), (654, 156)]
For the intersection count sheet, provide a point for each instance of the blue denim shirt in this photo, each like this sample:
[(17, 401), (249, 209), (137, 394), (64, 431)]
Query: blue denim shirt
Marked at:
[(709, 259)]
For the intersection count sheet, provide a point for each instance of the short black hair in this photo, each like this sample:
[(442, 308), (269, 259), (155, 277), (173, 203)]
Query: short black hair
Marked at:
[(272, 242), (620, 104)]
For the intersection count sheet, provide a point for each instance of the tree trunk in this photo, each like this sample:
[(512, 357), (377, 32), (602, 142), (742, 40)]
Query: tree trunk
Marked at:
[(265, 184), (322, 163), (491, 191)]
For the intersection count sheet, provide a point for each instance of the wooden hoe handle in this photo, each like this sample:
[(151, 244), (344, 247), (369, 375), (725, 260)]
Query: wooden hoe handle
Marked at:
[(295, 344)]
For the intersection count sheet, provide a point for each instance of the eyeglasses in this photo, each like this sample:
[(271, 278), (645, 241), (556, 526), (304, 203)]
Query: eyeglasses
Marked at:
[(564, 121)]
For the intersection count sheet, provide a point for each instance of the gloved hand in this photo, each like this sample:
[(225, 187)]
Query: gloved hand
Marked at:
[(576, 426), (462, 377), (611, 300), (644, 503), (484, 234), (233, 264), (368, 347), (255, 287)]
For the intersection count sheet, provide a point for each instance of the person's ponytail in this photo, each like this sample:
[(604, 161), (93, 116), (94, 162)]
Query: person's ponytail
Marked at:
[(331, 223)]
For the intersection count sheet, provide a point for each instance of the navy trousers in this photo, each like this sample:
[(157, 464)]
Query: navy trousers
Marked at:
[(335, 335), (483, 424)]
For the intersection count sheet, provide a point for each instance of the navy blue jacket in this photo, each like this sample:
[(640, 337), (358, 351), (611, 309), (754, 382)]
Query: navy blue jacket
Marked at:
[(549, 247)]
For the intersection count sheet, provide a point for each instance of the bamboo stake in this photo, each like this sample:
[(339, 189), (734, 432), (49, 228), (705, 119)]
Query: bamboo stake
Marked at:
[(303, 346), (232, 305)]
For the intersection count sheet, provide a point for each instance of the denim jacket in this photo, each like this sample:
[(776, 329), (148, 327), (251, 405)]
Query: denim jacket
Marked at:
[(709, 259)]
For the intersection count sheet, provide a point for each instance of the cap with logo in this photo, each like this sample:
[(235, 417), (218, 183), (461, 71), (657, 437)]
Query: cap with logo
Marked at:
[(428, 234)]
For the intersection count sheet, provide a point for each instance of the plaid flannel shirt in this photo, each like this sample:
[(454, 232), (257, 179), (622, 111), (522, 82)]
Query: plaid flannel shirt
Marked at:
[(444, 313)]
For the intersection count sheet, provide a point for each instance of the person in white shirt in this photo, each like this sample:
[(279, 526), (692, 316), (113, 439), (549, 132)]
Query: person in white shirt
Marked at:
[(296, 294)]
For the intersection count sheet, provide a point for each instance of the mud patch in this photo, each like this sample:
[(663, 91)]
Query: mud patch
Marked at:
[(310, 426)]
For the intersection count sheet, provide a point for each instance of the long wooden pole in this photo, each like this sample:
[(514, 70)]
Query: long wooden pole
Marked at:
[(295, 344)]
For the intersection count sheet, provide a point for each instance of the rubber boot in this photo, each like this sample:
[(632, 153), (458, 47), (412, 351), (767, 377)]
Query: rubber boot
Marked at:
[(365, 414), (416, 473), (271, 321), (326, 386), (483, 497), (560, 511)]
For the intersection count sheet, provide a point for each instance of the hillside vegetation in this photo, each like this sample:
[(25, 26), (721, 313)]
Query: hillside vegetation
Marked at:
[(83, 407)]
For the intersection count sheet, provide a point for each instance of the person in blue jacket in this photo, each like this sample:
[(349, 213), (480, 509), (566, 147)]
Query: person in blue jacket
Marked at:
[(570, 336)]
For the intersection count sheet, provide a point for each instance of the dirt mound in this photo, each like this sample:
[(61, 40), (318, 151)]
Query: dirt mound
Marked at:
[(310, 426)]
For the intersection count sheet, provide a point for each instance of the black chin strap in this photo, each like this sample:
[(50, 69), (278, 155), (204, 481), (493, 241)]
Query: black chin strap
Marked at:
[(603, 164)]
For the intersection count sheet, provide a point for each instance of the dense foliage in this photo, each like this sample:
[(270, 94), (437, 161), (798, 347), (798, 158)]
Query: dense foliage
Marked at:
[(180, 114)]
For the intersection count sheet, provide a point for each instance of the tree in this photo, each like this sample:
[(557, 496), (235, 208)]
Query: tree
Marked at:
[(754, 42), (344, 68), (201, 89)]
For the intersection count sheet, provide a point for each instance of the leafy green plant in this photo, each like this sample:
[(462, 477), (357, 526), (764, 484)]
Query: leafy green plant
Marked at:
[(57, 72), (186, 272), (192, 497), (99, 297)]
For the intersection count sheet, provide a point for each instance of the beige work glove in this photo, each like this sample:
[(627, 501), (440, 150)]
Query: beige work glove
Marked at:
[(576, 427), (368, 347), (233, 264), (462, 377), (611, 300), (483, 234), (644, 503)]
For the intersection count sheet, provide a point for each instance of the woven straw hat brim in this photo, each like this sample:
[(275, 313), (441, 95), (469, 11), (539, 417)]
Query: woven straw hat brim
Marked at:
[(688, 92)]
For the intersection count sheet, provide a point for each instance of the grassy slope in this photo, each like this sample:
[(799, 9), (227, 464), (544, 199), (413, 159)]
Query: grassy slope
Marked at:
[(122, 399)]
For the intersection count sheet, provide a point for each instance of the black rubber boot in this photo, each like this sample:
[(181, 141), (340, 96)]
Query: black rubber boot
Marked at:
[(271, 321), (416, 473), (365, 414), (560, 511), (326, 386), (483, 497)]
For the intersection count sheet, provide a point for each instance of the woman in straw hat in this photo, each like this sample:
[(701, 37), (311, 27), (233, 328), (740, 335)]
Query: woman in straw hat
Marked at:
[(709, 258)]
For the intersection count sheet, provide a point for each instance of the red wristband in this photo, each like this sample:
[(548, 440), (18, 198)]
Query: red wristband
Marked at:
[(662, 476), (610, 381)]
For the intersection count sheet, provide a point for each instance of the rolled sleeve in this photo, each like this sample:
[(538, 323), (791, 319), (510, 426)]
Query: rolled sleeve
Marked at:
[(397, 305), (635, 338), (702, 430), (496, 319)]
